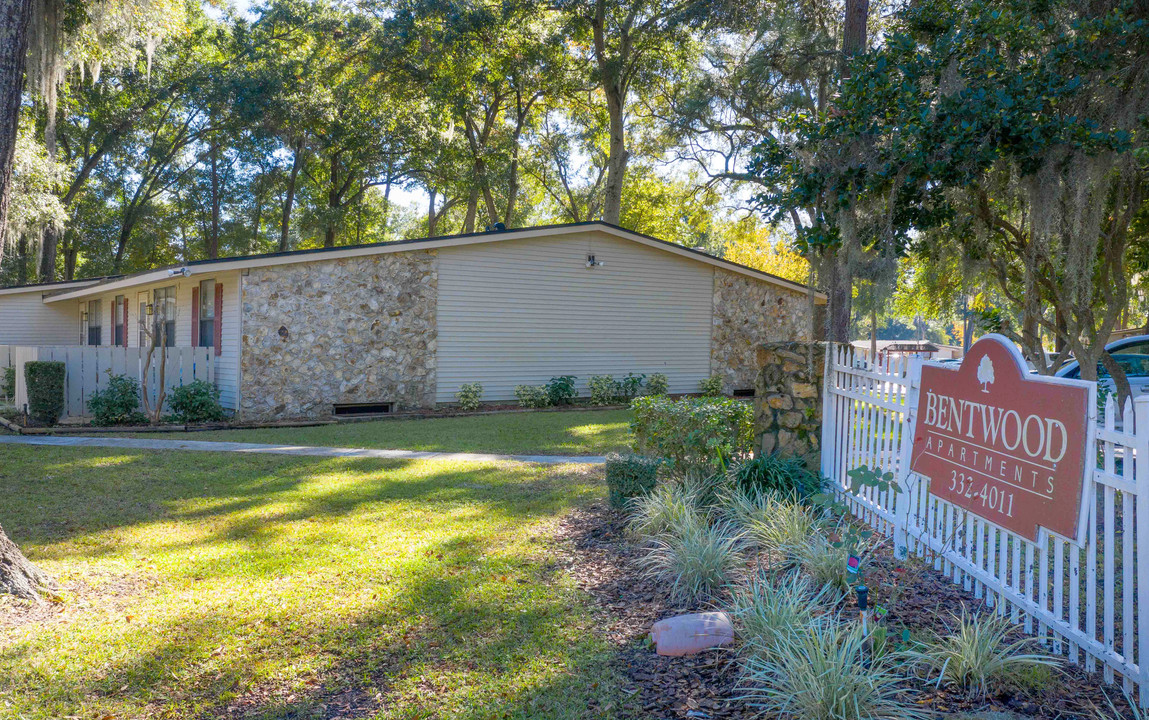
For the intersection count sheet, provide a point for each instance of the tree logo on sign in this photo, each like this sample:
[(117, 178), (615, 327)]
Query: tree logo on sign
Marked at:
[(985, 373)]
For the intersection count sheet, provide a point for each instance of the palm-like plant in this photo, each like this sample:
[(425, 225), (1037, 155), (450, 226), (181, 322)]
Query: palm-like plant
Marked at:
[(977, 654)]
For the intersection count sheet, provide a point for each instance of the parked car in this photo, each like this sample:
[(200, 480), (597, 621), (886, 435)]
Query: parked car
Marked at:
[(1131, 353)]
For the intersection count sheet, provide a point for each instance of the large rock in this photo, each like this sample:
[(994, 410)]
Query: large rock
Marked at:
[(691, 634)]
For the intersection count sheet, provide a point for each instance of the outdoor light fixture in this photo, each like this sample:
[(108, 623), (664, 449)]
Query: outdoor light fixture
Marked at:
[(151, 309), (83, 316), (179, 271), (592, 263)]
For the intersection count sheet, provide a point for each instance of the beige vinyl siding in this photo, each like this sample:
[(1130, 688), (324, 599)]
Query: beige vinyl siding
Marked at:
[(26, 320), (226, 364), (521, 311)]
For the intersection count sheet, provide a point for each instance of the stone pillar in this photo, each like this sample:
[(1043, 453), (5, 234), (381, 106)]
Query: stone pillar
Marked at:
[(788, 400)]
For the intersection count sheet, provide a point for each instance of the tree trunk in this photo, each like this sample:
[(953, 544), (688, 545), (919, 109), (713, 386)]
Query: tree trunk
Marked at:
[(211, 247), (854, 31), (289, 199), (432, 218), (49, 237), (15, 16), (333, 201), (616, 162), (472, 210), (18, 576)]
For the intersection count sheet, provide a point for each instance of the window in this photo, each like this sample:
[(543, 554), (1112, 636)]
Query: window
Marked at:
[(142, 318), (119, 329), (95, 321), (207, 313), (164, 316)]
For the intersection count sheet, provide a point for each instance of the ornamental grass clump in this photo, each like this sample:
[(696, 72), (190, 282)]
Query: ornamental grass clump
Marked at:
[(741, 507), (783, 528), (824, 671), (668, 506), (825, 562), (978, 654), (768, 607), (696, 558)]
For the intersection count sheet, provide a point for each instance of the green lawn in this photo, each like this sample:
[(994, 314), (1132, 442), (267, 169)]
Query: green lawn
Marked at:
[(571, 432), (207, 586)]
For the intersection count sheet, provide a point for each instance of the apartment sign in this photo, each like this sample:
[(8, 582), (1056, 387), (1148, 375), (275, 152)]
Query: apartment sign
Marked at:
[(1006, 445)]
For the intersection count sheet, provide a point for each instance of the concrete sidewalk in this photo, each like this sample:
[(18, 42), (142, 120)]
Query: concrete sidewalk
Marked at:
[(302, 450)]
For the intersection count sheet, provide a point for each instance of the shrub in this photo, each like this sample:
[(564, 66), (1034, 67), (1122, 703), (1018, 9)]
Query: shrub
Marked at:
[(629, 476), (532, 396), (740, 506), (198, 401), (8, 383), (692, 432), (768, 607), (824, 672), (603, 389), (629, 387), (711, 386), (665, 507), (45, 382), (469, 396), (118, 403), (658, 384), (775, 474), (697, 558), (561, 390), (978, 654)]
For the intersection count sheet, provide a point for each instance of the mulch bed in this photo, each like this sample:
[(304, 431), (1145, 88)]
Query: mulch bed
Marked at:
[(604, 562)]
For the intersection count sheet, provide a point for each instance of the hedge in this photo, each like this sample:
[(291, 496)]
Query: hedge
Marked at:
[(629, 476), (45, 382), (693, 431)]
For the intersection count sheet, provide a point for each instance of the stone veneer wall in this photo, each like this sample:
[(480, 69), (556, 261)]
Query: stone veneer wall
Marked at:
[(350, 330), (788, 400), (748, 313)]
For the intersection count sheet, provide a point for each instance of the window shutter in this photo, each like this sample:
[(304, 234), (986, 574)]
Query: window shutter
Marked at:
[(195, 316), (112, 327), (218, 318), (125, 322)]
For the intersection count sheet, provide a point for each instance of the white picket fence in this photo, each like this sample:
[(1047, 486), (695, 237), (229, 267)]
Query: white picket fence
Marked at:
[(89, 368), (1083, 603)]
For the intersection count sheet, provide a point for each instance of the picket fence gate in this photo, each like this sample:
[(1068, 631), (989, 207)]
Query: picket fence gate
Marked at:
[(88, 369), (1084, 604)]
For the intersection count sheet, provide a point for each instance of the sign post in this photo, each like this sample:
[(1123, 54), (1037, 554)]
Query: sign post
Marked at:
[(1004, 444)]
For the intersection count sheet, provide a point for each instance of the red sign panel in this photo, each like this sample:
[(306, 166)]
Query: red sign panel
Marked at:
[(1002, 443)]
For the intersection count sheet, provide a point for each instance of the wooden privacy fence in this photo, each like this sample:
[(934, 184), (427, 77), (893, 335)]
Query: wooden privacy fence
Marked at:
[(89, 368), (1084, 603)]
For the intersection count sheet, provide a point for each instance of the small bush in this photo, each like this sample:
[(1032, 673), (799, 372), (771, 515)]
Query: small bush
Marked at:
[(658, 384), (978, 654), (561, 390), (693, 432), (667, 506), (775, 474), (198, 401), (532, 396), (629, 387), (603, 389), (629, 476), (767, 608), (45, 382), (8, 383), (469, 396), (825, 672), (118, 403), (739, 506), (711, 386), (697, 559)]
